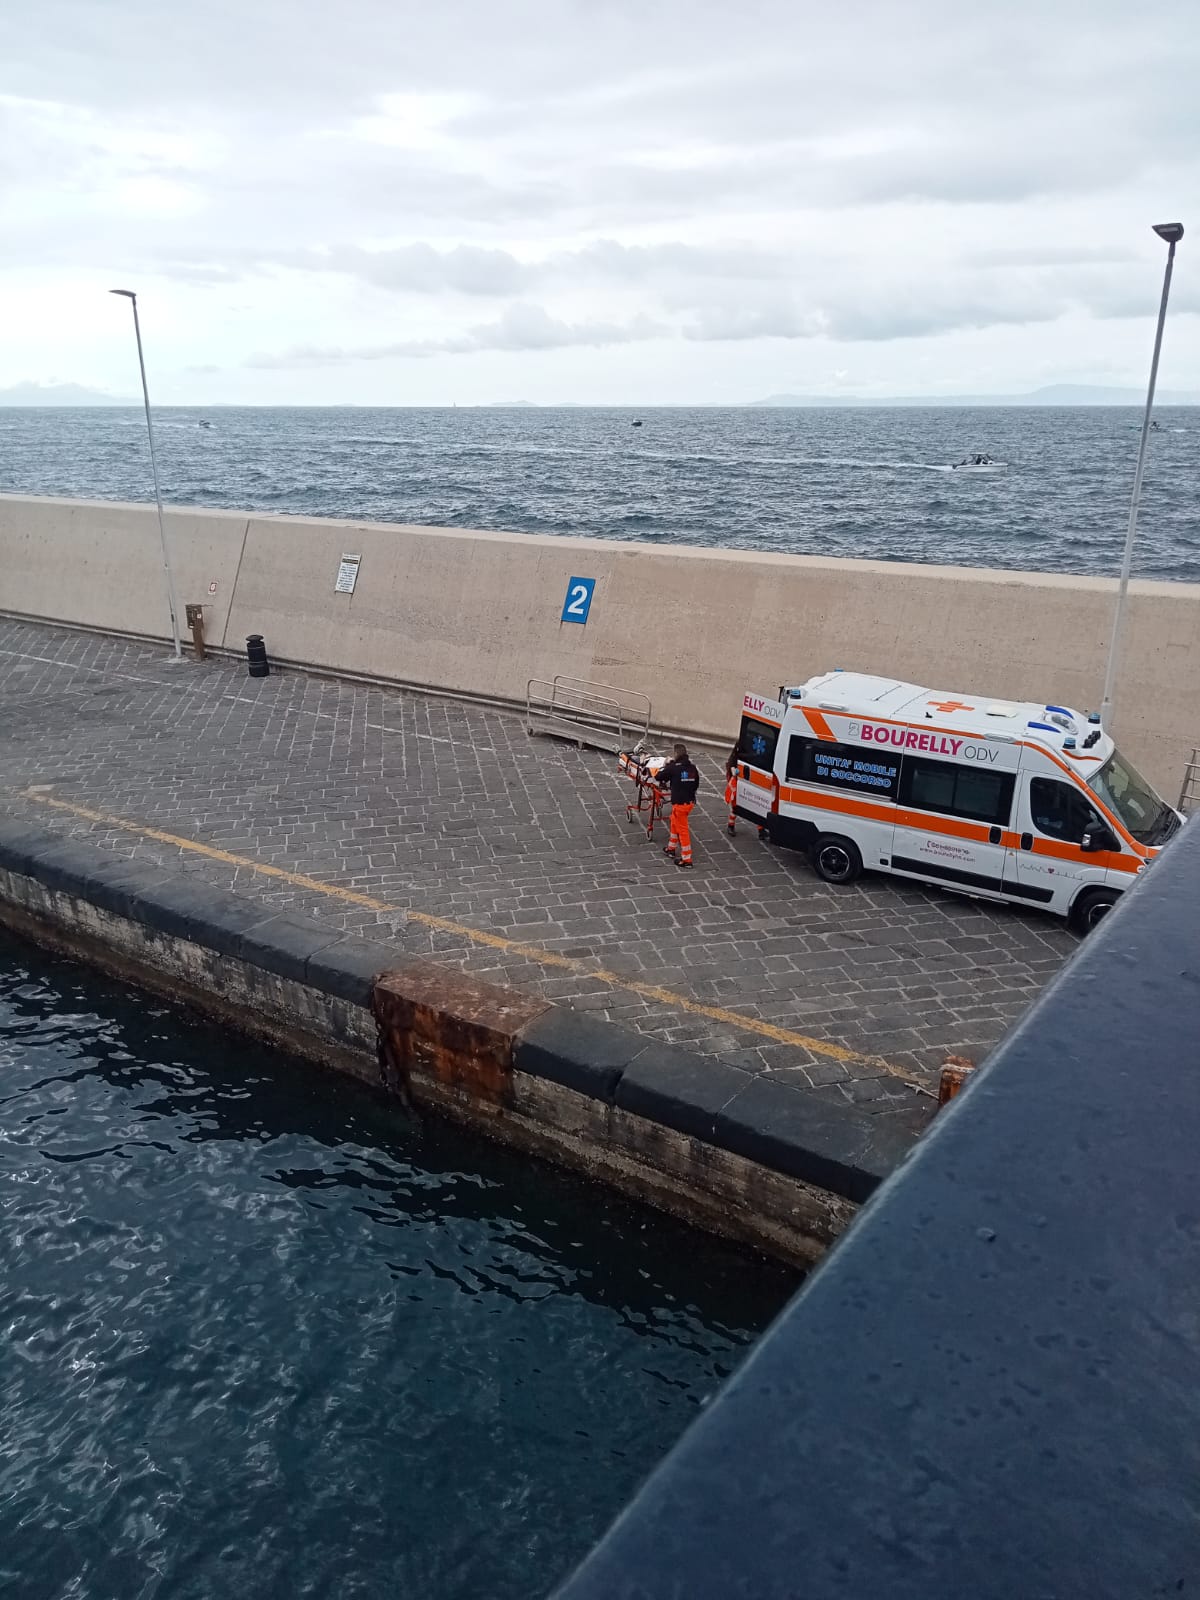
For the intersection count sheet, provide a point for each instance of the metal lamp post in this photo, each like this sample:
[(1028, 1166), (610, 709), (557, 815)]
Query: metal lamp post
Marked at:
[(1171, 233), (172, 603)]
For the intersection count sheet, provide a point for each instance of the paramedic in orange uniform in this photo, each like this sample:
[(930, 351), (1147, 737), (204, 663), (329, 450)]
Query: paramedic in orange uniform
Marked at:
[(731, 782), (731, 777), (682, 778)]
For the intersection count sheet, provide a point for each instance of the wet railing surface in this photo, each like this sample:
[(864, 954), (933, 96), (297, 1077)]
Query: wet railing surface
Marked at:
[(992, 1386)]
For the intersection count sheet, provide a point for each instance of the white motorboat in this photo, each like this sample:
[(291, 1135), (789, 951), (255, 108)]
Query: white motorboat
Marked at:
[(978, 463)]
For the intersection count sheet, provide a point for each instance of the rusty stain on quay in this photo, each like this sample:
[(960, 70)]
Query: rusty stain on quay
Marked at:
[(451, 1027)]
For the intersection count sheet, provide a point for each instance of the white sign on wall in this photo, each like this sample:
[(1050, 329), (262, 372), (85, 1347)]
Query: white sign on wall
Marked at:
[(347, 575)]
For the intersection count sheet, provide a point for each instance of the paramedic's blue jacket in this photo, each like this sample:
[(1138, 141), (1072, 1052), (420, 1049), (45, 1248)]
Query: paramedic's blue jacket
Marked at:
[(683, 780)]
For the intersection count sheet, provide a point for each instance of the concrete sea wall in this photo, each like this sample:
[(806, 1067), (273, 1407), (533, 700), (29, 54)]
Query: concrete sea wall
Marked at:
[(650, 1119), (693, 629)]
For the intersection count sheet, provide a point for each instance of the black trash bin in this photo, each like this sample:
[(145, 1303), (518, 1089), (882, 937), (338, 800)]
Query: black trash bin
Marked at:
[(257, 664)]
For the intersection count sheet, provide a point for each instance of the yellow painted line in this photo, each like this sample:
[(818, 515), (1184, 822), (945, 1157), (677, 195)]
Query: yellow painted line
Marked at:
[(493, 941)]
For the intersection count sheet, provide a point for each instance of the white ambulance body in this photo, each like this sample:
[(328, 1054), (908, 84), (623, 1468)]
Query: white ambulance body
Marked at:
[(1019, 802)]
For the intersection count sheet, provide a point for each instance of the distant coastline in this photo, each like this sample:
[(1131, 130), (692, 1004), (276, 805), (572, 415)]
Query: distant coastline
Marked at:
[(34, 396), (60, 394), (1056, 394)]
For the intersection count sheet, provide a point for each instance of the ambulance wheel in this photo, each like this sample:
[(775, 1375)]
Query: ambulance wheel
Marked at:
[(836, 859), (1091, 909)]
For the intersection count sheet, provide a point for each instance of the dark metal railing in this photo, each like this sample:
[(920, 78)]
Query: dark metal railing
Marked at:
[(991, 1386)]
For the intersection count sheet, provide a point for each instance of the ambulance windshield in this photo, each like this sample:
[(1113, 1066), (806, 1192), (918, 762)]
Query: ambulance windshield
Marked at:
[(1130, 798)]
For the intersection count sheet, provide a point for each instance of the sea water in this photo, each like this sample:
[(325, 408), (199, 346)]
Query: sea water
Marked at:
[(266, 1336), (875, 483)]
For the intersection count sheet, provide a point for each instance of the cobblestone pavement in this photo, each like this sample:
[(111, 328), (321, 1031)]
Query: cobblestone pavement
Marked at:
[(511, 856)]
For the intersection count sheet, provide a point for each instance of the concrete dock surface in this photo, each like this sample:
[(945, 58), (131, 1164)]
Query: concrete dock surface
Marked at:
[(443, 828)]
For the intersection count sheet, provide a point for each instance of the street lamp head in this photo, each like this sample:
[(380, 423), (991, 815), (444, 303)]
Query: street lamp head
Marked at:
[(1169, 232), (129, 294)]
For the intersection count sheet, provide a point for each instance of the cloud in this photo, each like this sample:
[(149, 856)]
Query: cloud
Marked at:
[(521, 328), (421, 268), (900, 307), (417, 268), (783, 319), (903, 307), (473, 178)]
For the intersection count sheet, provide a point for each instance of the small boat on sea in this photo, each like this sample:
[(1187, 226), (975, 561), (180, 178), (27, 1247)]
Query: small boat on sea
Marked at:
[(978, 463), (636, 424)]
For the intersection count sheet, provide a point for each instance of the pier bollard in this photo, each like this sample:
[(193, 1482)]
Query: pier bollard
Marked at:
[(195, 621), (955, 1074), (257, 665)]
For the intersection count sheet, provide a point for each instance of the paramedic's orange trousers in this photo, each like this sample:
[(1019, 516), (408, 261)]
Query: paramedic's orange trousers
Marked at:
[(681, 835), (731, 799)]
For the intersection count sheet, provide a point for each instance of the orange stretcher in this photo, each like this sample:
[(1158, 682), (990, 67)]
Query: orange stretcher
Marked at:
[(643, 770)]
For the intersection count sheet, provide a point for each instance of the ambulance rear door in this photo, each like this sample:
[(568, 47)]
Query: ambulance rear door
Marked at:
[(758, 740)]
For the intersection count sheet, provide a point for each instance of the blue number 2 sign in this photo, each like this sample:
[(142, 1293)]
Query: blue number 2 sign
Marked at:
[(579, 600)]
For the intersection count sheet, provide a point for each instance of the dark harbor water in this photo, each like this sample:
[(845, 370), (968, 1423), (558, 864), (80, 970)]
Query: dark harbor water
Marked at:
[(262, 1340), (874, 483)]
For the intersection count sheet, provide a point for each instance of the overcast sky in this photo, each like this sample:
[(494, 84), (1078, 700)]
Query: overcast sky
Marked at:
[(631, 201)]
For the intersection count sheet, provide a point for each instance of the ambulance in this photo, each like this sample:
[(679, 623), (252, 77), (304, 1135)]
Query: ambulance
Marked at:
[(1030, 804)]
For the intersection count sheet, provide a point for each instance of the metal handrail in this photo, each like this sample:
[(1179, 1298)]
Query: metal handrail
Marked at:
[(585, 714), (634, 704), (1189, 789), (551, 702)]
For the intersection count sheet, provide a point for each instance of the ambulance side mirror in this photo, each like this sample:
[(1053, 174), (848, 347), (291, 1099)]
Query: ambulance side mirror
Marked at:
[(1097, 838)]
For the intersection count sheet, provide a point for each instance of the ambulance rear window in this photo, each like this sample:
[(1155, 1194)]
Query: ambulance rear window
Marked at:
[(756, 743)]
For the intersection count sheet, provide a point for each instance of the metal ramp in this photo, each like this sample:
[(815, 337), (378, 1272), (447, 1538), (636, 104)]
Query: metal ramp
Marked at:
[(1189, 791), (597, 715)]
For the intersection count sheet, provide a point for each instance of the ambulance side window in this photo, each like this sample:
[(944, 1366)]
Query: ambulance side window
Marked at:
[(843, 766), (1060, 811), (957, 791), (756, 743)]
